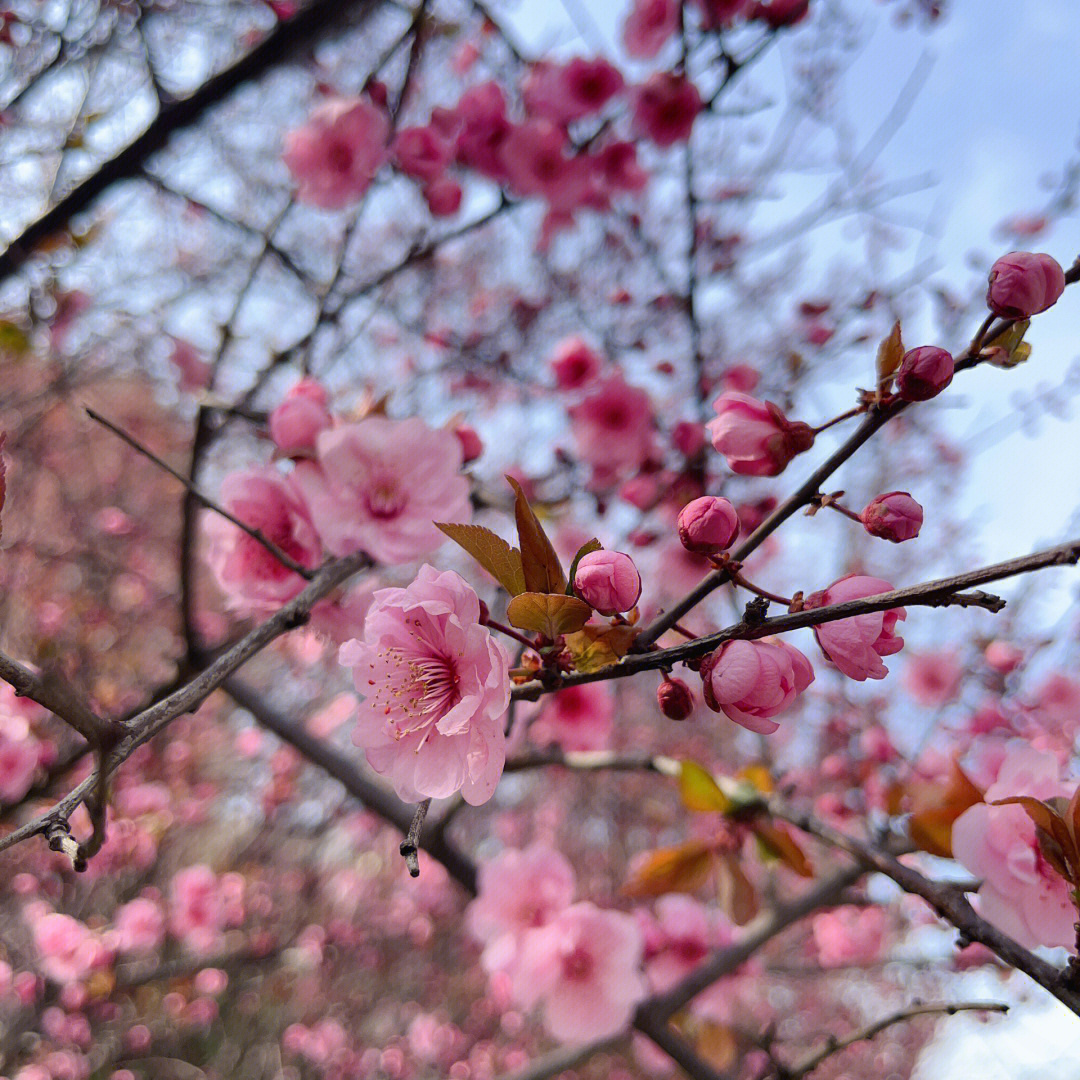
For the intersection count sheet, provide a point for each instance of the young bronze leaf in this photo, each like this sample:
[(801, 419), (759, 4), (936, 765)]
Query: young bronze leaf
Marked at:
[(588, 546), (549, 614), (934, 807), (777, 843), (491, 551), (682, 869), (543, 571), (1055, 839), (737, 895), (699, 791), (596, 647), (890, 353)]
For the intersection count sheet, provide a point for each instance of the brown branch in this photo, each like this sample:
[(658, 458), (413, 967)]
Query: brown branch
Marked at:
[(255, 534), (288, 38), (940, 593), (834, 1045), (411, 844)]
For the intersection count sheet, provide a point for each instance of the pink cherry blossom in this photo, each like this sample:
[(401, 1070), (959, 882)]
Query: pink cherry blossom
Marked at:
[(615, 168), (68, 949), (191, 364), (894, 516), (537, 162), (1021, 893), (680, 935), (708, 525), (20, 754), (1024, 283), (584, 969), (755, 436), (608, 581), (379, 485), (933, 679), (139, 926), (517, 891), (567, 92), (575, 364), (856, 645), (443, 196), (613, 428), (665, 108), (849, 935), (752, 681), (649, 25), (302, 414), (720, 14), (435, 685), (422, 152), (576, 718), (335, 155), (198, 908), (484, 127), (253, 579)]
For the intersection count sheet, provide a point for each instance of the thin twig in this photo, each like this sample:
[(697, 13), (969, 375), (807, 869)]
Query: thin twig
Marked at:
[(411, 844)]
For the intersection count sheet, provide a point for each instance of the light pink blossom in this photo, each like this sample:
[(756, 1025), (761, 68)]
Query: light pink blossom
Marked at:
[(849, 935), (894, 516), (435, 685), (335, 155), (302, 414), (198, 908), (1021, 893), (379, 485), (755, 436), (649, 25), (584, 969), (576, 718), (20, 754), (139, 926), (253, 579), (856, 645), (752, 681), (933, 678), (608, 581), (680, 935), (68, 949)]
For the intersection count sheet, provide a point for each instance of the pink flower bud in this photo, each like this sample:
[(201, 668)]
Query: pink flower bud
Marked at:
[(924, 373), (675, 699), (856, 645), (895, 516), (708, 525), (471, 444), (1023, 283), (608, 581), (755, 436), (297, 421), (1003, 656), (443, 196), (752, 681)]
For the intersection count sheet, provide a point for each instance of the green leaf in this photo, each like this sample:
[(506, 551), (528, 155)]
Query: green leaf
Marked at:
[(491, 551), (550, 614), (543, 571), (13, 339), (596, 647), (699, 791), (585, 549)]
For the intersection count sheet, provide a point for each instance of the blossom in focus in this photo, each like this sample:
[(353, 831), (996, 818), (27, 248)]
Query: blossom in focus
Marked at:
[(857, 644), (607, 581), (1024, 283), (755, 436), (335, 155), (435, 686), (895, 516), (924, 373), (378, 485), (253, 579), (752, 681), (708, 525), (584, 969), (576, 718), (517, 891), (1021, 893)]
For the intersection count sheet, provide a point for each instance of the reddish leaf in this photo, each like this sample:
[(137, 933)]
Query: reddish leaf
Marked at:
[(682, 869), (934, 807), (596, 647), (549, 614), (777, 843), (737, 895), (543, 571)]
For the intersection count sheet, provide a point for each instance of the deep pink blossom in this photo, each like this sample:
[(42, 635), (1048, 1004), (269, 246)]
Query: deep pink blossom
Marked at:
[(563, 93), (675, 699), (379, 485), (435, 685), (302, 414), (575, 364), (198, 907), (482, 129), (755, 436), (708, 525), (778, 13), (1021, 893), (720, 14), (422, 152), (335, 155), (665, 108), (894, 516), (443, 196), (537, 161), (752, 681), (608, 581), (649, 25), (584, 969), (924, 373), (576, 718), (856, 645), (472, 446), (1024, 283), (517, 891), (613, 428), (253, 579), (615, 167)]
